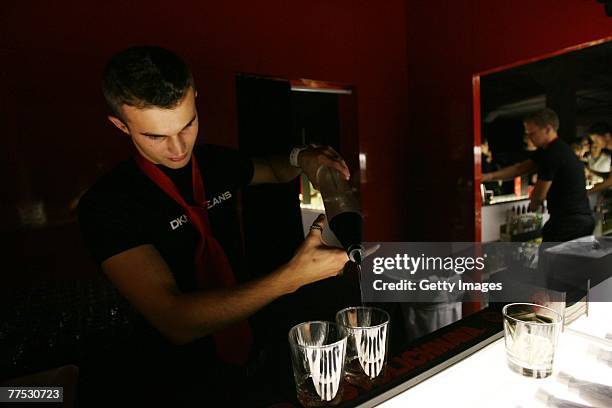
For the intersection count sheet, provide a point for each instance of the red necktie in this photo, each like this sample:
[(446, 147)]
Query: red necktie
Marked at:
[(213, 269)]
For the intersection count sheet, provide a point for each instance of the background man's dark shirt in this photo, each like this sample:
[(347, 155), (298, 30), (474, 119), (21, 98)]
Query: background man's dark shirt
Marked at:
[(567, 195)]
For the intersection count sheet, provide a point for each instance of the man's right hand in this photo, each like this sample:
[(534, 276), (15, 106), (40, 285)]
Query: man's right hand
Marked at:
[(313, 260)]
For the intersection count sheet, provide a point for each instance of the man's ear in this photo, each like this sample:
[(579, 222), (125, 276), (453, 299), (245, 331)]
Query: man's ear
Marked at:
[(119, 124)]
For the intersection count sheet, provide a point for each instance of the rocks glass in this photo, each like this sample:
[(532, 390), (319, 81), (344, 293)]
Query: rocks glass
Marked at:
[(367, 330), (317, 354), (531, 332)]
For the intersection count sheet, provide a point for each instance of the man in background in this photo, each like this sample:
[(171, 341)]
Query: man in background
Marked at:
[(560, 182), (601, 133)]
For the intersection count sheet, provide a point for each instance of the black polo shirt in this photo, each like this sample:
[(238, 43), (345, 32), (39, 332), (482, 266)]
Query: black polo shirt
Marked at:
[(126, 209), (567, 194)]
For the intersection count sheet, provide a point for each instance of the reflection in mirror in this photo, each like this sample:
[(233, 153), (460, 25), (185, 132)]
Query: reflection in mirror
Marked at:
[(576, 85), (544, 137)]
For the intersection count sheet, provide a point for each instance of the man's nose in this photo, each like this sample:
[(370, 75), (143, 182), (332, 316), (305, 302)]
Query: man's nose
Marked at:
[(177, 146)]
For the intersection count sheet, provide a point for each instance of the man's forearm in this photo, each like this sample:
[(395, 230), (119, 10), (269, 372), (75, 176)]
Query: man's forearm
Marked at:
[(539, 194), (508, 173), (278, 168), (144, 278), (535, 204), (283, 170), (202, 313), (274, 169)]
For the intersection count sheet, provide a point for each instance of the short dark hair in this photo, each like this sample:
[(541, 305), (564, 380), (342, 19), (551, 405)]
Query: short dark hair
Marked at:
[(577, 141), (599, 128), (543, 118), (145, 76)]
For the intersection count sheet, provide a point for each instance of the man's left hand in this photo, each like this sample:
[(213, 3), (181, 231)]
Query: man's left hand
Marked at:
[(534, 205), (314, 157)]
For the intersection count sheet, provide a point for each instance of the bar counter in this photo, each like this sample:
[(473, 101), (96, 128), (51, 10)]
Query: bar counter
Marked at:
[(484, 379), (464, 365)]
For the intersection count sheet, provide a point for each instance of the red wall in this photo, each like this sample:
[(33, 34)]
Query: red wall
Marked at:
[(448, 41), (55, 136), (410, 61)]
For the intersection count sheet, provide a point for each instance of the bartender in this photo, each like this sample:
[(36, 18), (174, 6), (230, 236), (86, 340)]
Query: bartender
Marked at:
[(163, 226), (560, 179)]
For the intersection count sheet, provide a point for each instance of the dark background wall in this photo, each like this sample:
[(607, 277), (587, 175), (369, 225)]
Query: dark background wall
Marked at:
[(410, 63), (56, 140)]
